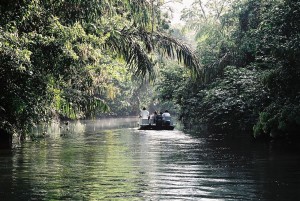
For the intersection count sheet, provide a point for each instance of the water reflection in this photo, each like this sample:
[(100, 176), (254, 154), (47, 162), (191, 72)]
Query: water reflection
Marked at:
[(97, 160)]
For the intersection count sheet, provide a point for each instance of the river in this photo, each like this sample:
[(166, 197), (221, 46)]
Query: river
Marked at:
[(113, 160)]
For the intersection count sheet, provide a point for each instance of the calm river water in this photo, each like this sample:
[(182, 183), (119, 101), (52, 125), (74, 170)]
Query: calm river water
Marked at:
[(112, 160)]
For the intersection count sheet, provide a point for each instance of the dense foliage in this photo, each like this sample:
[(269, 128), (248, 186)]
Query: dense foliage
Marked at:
[(80, 58), (73, 58), (250, 53), (278, 52)]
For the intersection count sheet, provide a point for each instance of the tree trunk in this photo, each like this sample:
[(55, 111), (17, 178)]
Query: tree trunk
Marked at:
[(5, 140)]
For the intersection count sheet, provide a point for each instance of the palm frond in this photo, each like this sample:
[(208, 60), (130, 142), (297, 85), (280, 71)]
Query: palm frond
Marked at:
[(135, 44), (168, 45), (133, 52)]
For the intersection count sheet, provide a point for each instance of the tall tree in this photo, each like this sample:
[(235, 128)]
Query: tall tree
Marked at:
[(212, 37), (56, 56)]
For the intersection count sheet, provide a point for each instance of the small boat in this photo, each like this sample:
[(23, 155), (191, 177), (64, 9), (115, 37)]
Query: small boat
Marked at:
[(158, 124)]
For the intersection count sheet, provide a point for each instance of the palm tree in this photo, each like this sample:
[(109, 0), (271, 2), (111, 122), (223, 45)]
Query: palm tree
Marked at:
[(42, 42), (136, 38)]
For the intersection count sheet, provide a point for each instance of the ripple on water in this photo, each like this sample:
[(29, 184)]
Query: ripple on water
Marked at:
[(101, 163)]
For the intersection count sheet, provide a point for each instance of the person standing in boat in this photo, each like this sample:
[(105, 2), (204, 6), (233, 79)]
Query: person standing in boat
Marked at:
[(159, 119), (144, 114), (153, 117)]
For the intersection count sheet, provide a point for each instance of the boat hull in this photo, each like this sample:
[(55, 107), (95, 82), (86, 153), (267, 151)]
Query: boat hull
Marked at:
[(160, 124), (155, 127)]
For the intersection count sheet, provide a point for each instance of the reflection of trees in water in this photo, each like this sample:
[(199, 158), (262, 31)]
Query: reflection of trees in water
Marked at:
[(97, 164), (56, 129)]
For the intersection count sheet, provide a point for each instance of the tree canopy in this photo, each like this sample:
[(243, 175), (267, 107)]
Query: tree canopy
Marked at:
[(67, 58), (249, 51), (79, 58)]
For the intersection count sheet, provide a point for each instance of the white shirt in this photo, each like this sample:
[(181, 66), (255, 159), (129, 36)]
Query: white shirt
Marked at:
[(165, 114), (144, 114)]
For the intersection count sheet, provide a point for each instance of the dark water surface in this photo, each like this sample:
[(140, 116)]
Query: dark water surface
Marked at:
[(112, 160)]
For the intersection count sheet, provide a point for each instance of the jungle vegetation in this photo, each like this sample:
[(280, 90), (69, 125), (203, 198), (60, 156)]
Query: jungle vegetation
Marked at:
[(71, 58), (250, 53), (88, 58)]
